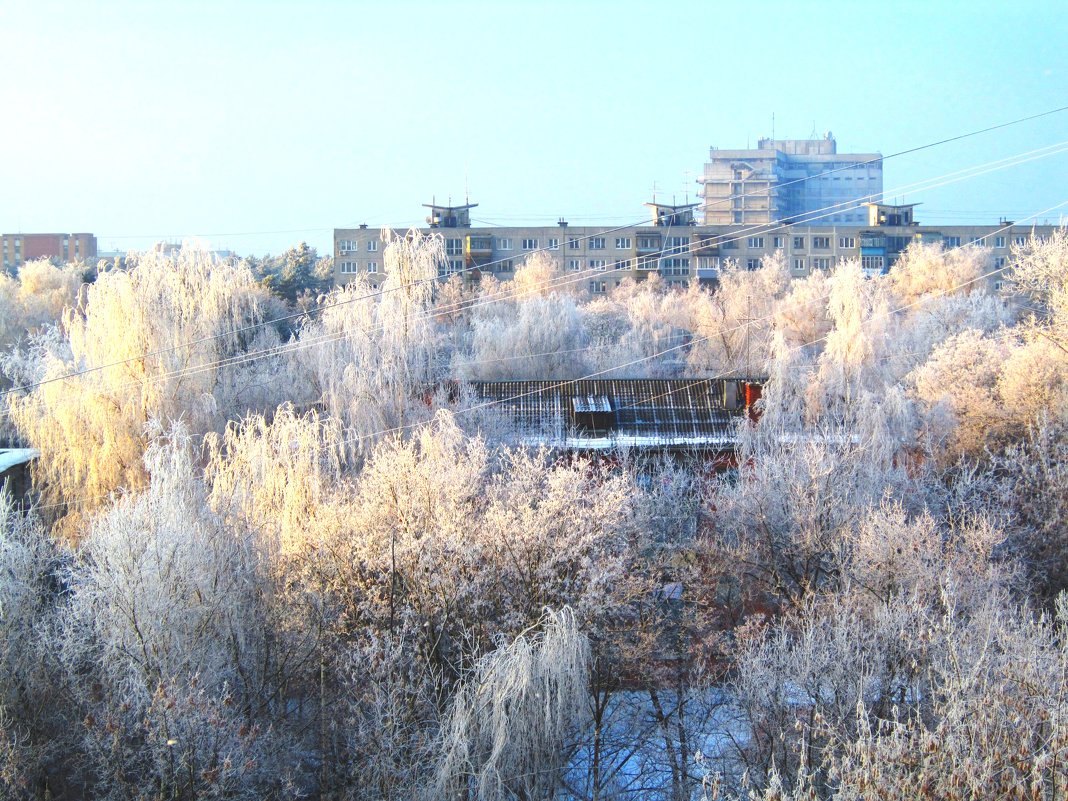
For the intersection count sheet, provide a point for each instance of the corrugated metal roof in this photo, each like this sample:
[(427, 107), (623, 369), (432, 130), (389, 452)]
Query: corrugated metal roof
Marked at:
[(647, 412)]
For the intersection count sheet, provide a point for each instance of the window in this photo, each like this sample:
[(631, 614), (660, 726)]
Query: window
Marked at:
[(999, 241), (799, 243), (372, 246), (504, 243), (678, 243), (978, 242), (1000, 262), (346, 246), (598, 264), (821, 243), (1019, 241), (730, 244), (648, 243), (454, 247), (752, 264), (821, 263), (847, 242), (951, 241), (597, 286), (871, 263), (755, 243), (574, 265), (348, 267), (372, 266), (505, 266), (622, 264), (780, 242), (530, 244), (554, 243), (622, 243), (572, 243), (456, 266), (597, 243), (675, 266), (799, 264)]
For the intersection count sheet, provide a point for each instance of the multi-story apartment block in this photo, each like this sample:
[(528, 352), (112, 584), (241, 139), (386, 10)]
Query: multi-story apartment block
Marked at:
[(789, 180), (17, 249), (672, 246)]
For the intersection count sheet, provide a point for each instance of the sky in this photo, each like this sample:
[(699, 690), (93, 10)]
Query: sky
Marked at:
[(253, 126)]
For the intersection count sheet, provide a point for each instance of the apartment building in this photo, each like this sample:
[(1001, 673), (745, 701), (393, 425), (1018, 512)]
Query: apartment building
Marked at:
[(671, 245), (789, 180), (17, 249)]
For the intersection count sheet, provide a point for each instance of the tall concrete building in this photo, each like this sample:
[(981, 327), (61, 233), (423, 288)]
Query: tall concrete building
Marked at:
[(17, 249), (792, 181)]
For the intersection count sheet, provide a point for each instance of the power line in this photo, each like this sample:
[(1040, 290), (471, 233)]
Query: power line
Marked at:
[(696, 382), (598, 373), (561, 280)]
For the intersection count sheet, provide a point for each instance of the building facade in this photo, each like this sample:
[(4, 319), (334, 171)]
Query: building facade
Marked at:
[(597, 259), (789, 180), (17, 249)]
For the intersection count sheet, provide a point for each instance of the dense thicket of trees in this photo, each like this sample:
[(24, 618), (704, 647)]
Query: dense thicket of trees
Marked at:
[(280, 552)]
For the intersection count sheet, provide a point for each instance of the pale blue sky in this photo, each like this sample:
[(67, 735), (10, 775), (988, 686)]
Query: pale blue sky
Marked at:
[(257, 124)]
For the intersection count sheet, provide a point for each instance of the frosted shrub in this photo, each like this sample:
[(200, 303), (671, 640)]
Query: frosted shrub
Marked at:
[(37, 296), (28, 566), (984, 718), (168, 617)]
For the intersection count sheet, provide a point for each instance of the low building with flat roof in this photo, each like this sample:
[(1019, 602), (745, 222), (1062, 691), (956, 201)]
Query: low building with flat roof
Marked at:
[(671, 245)]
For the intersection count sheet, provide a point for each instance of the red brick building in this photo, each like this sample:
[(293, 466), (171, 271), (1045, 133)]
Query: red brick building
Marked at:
[(17, 249)]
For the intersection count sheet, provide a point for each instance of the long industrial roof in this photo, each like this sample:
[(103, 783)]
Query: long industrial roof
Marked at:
[(639, 412)]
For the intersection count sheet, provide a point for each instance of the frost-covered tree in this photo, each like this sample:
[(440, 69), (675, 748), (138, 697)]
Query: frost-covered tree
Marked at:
[(645, 326), (371, 357), (1040, 274), (533, 337), (165, 339), (927, 269), (513, 719), (732, 325), (297, 276)]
